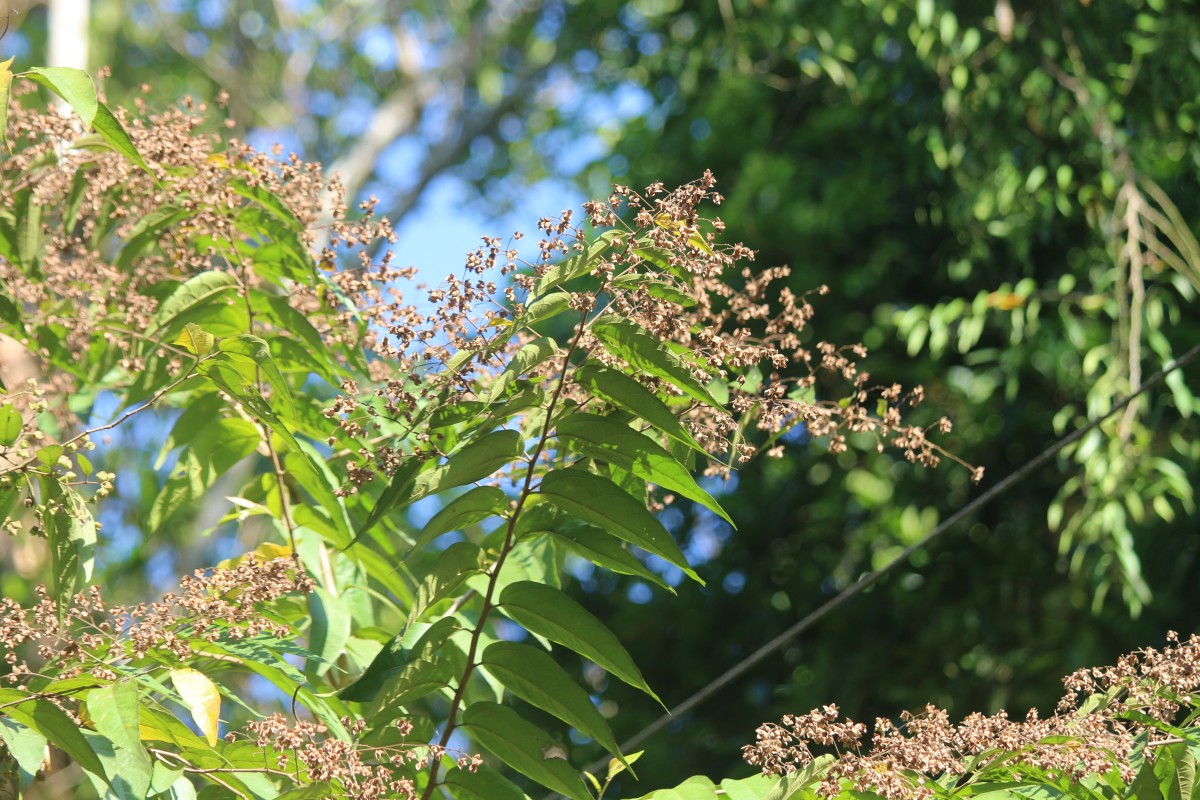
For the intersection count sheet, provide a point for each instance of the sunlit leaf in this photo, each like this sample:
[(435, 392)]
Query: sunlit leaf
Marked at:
[(548, 612), (195, 340), (605, 505), (473, 462), (11, 423), (202, 698), (53, 723), (6, 77), (619, 389), (474, 506), (643, 352), (522, 745), (330, 627), (195, 291), (115, 711), (609, 440), (532, 675)]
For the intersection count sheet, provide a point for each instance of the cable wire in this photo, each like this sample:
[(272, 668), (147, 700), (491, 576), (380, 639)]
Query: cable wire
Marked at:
[(1001, 486)]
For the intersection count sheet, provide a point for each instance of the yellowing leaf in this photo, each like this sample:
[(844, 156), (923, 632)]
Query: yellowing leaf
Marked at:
[(676, 228), (6, 77), (195, 340), (267, 551), (202, 698)]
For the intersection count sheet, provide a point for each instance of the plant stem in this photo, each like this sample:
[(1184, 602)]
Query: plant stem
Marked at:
[(494, 577)]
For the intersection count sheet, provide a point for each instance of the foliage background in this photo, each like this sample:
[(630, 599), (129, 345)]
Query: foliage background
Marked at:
[(908, 154)]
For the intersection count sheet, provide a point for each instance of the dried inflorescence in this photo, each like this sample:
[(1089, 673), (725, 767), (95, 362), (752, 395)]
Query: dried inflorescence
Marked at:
[(363, 772), (663, 270), (88, 636), (727, 317), (1078, 740)]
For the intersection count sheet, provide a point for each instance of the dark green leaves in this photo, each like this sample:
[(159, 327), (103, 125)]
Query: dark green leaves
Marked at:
[(548, 612), (606, 439), (473, 462), (532, 675), (524, 747), (621, 390), (606, 506), (71, 533), (196, 291), (53, 723), (478, 504), (643, 352)]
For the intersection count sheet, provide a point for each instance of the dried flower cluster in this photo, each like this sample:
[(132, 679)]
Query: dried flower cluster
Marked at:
[(89, 636), (1078, 740), (362, 772), (667, 273)]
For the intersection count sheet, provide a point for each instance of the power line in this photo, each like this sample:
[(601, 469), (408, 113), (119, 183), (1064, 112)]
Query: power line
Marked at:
[(871, 578)]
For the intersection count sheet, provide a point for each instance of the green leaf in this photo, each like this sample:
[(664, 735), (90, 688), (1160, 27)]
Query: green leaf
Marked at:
[(473, 462), (452, 414), (79, 184), (108, 126), (277, 308), (644, 352), (456, 563), (11, 423), (1175, 767), (609, 440), (577, 265), (694, 788), (268, 201), (1145, 785), (256, 350), (548, 612), (532, 675), (115, 710), (397, 492), (27, 746), (660, 289), (619, 389), (73, 85), (147, 231), (196, 291), (546, 307), (401, 651), (217, 446), (427, 669), (753, 788), (330, 628), (29, 229), (525, 359), (522, 745), (474, 506), (605, 505), (53, 723), (597, 546), (71, 533), (484, 783)]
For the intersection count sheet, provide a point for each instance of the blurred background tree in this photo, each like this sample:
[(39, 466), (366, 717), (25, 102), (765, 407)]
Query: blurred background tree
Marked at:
[(1001, 196)]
